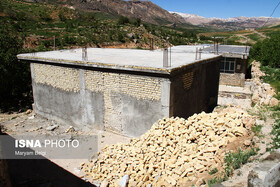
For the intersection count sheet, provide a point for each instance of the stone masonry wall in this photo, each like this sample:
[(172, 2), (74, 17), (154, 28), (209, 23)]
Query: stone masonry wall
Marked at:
[(136, 86), (63, 78), (114, 97), (236, 79), (111, 84)]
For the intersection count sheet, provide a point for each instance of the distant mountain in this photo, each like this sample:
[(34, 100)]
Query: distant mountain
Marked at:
[(152, 13), (228, 23)]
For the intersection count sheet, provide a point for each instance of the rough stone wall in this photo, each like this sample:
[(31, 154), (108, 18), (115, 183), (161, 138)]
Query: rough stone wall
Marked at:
[(113, 85), (236, 79), (139, 87), (63, 78), (188, 80), (99, 99)]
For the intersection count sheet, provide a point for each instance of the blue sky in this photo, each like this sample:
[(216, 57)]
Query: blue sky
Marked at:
[(222, 8)]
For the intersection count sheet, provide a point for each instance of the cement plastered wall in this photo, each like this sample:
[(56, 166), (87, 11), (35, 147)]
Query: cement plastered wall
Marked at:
[(126, 103), (195, 89), (236, 79)]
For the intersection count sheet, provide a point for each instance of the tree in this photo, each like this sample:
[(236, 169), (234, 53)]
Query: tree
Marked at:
[(15, 78), (61, 16), (1, 6), (203, 37), (267, 51), (123, 20), (137, 22), (121, 37), (44, 15)]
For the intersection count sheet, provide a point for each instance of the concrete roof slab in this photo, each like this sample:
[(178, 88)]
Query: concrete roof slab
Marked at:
[(126, 59)]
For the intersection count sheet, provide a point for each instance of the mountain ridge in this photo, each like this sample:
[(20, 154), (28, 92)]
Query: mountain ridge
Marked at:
[(149, 12), (231, 23)]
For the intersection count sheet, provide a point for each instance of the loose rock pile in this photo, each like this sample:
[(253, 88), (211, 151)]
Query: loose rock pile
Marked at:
[(172, 151), (262, 92)]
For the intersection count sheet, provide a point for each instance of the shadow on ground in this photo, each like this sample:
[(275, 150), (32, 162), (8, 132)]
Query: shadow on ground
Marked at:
[(39, 173), (16, 104)]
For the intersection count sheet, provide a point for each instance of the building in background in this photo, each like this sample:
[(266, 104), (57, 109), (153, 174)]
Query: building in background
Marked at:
[(234, 64)]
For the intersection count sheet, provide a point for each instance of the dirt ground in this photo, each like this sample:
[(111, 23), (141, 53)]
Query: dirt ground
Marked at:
[(28, 123)]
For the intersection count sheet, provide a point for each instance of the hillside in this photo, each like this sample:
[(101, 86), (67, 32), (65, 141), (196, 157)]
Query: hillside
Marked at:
[(241, 37), (48, 26), (152, 13), (145, 10), (43, 26)]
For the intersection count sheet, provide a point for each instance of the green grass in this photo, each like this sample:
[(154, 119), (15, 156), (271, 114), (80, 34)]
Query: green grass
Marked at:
[(215, 180), (273, 78), (236, 160), (257, 130), (255, 36), (235, 38), (104, 16), (263, 112), (233, 161), (276, 135), (213, 171)]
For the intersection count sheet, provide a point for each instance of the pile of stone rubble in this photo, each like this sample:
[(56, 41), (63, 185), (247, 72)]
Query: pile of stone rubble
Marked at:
[(262, 92), (172, 151)]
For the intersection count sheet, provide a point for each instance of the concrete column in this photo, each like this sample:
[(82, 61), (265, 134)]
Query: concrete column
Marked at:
[(33, 86), (83, 96), (165, 97)]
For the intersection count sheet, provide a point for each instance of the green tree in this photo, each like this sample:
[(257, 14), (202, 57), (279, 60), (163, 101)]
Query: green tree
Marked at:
[(1, 6), (44, 15), (121, 37), (15, 82), (203, 37), (137, 22), (267, 51), (61, 16), (123, 20)]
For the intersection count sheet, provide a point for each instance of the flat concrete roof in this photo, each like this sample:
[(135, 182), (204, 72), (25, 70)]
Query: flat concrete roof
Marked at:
[(125, 59), (234, 49)]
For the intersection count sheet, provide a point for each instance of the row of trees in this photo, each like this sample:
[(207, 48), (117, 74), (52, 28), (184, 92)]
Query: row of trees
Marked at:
[(267, 51)]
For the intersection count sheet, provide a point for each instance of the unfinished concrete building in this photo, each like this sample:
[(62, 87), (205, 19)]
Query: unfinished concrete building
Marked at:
[(123, 90), (234, 64)]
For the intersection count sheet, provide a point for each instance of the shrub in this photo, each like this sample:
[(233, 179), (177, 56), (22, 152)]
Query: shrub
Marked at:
[(123, 20)]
